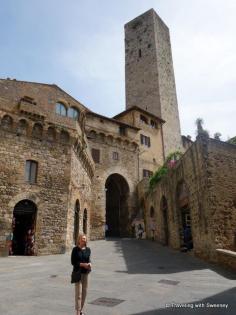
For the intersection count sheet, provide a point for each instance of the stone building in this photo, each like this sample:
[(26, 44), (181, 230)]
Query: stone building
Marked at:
[(65, 169), (199, 192), (150, 81), (46, 166)]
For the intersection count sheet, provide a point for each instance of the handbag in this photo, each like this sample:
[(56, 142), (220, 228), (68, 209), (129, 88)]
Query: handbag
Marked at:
[(75, 276)]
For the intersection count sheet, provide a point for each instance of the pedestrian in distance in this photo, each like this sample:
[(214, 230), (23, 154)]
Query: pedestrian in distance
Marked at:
[(140, 231), (152, 229), (80, 259)]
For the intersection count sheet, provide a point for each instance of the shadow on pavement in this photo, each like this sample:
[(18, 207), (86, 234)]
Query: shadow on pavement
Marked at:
[(147, 257), (225, 297)]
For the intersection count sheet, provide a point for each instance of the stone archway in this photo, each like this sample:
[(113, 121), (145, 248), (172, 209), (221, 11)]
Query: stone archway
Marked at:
[(164, 211), (23, 225), (117, 193), (76, 220), (184, 215)]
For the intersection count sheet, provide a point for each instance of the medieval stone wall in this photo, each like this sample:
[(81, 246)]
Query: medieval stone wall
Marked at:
[(49, 193), (208, 170), (222, 198), (65, 167), (79, 193), (105, 137)]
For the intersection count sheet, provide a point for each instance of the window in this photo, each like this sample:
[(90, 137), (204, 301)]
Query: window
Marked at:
[(145, 140), (140, 53), (153, 124), (143, 119), (73, 113), (122, 130), (147, 173), (115, 155), (31, 170), (61, 109), (96, 155)]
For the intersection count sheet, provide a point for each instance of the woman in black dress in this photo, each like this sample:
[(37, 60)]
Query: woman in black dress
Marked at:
[(80, 259)]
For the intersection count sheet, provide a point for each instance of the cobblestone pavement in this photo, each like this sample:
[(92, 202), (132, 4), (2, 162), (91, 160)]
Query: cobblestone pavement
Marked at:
[(147, 278)]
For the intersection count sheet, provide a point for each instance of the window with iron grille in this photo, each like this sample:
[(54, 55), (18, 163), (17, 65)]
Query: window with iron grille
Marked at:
[(31, 170), (96, 155), (115, 155)]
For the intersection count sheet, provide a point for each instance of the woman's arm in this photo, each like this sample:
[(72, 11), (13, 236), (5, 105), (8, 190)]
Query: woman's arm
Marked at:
[(74, 257)]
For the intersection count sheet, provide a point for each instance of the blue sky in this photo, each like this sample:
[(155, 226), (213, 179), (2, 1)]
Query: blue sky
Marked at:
[(79, 45)]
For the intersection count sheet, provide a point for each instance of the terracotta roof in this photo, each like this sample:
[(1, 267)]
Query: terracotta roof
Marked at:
[(140, 110), (112, 120)]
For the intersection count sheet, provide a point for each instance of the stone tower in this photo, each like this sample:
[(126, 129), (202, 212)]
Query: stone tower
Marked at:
[(150, 81)]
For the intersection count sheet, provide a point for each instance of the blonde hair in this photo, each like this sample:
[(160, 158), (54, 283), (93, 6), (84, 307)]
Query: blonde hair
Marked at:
[(79, 239)]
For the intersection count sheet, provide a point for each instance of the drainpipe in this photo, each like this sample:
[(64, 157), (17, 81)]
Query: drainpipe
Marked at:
[(163, 148)]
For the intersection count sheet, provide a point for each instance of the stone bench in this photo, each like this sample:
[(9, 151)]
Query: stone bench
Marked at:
[(226, 252), (227, 258)]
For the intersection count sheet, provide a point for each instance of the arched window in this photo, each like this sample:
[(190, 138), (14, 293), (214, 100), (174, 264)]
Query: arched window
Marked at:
[(22, 127), (85, 218), (64, 136), (37, 130), (31, 170), (73, 113), (61, 109), (51, 134), (7, 122)]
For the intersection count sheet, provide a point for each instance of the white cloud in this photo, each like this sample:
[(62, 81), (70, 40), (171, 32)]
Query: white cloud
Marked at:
[(204, 53)]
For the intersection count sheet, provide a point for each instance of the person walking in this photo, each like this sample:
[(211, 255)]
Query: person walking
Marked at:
[(140, 231), (80, 259), (152, 229)]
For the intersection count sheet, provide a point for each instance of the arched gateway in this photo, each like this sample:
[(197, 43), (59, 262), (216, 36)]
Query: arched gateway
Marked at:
[(117, 193), (24, 222)]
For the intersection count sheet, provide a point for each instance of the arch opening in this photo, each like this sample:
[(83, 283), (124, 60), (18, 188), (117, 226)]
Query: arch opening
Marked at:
[(184, 215), (24, 224), (76, 220), (117, 193)]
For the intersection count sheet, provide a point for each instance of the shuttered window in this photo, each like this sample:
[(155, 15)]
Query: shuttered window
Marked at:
[(145, 140)]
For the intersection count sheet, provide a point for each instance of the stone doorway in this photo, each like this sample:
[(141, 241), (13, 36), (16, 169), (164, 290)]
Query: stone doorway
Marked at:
[(24, 223), (117, 193), (186, 240), (164, 211)]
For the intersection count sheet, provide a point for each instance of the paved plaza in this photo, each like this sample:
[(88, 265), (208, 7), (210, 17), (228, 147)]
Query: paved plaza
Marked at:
[(142, 276)]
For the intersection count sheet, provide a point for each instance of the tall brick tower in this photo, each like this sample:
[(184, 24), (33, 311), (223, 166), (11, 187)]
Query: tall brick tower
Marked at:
[(150, 81)]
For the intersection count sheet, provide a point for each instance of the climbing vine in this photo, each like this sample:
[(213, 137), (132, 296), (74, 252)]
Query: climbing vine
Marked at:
[(169, 163)]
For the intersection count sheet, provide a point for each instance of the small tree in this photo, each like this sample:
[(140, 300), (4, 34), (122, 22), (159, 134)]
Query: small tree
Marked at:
[(217, 135), (199, 122), (200, 131), (232, 140)]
